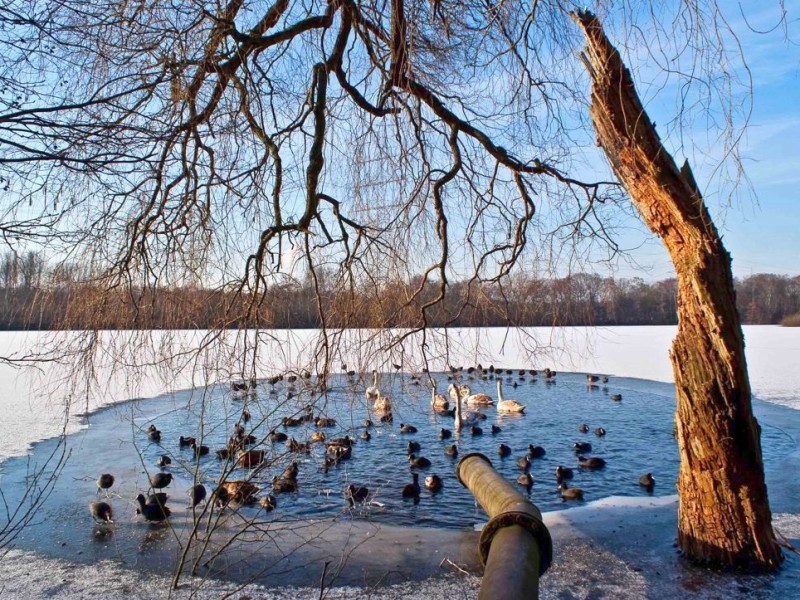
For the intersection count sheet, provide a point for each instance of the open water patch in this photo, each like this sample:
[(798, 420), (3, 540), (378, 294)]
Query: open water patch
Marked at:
[(638, 439)]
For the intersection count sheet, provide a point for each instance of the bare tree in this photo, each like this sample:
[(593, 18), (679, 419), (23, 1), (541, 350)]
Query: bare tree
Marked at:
[(724, 516)]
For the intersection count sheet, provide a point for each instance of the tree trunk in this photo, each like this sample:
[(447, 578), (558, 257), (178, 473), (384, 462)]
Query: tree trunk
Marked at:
[(723, 517)]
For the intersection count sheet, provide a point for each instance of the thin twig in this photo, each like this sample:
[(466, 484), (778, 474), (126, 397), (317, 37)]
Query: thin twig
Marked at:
[(322, 580), (784, 542), (453, 565)]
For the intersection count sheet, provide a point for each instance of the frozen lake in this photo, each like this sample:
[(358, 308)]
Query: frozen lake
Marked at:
[(32, 407), (33, 400)]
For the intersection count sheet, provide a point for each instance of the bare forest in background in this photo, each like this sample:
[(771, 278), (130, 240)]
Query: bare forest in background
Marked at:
[(35, 296)]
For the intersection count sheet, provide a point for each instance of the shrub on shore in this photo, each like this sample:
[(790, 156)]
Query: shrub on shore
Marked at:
[(791, 320)]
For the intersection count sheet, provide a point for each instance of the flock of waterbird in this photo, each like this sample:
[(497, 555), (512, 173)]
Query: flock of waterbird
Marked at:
[(239, 449)]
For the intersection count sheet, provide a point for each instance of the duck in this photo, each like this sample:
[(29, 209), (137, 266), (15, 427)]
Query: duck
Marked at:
[(593, 462), (152, 511), (298, 447), (504, 450), (604, 379), (246, 416), (387, 418), (325, 422), (592, 379), (238, 492), (507, 406), (581, 447), (411, 490), (250, 459), (223, 453), (405, 428), (197, 493), (157, 498), (536, 451), (160, 480), (318, 436), (200, 450), (372, 393), (647, 481), (451, 451), (524, 463), (356, 494), (368, 423), (583, 428), (382, 404), (163, 461), (366, 435), (599, 432), (281, 485), (339, 453), (329, 461), (291, 471), (526, 480), (418, 462), (154, 434), (475, 430), (563, 473), (433, 483), (438, 402), (616, 397), (185, 441), (104, 482), (268, 502), (413, 447), (445, 434), (568, 493), (101, 512), (496, 429), (277, 436)]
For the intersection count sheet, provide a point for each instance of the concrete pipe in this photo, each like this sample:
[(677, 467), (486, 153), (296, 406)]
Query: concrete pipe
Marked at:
[(515, 546)]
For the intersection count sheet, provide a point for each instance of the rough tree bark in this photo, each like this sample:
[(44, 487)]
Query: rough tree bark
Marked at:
[(723, 517)]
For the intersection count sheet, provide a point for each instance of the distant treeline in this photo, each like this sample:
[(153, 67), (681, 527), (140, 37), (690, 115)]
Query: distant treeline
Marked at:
[(35, 297)]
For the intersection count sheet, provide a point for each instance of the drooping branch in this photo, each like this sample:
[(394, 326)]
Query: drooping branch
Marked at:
[(399, 69), (316, 159)]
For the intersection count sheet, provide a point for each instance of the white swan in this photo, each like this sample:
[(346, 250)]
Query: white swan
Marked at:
[(479, 399), (507, 406), (466, 420), (456, 391), (373, 393), (437, 400), (452, 391), (457, 424)]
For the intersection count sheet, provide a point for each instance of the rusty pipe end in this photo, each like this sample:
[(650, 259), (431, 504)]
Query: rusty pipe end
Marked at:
[(464, 459)]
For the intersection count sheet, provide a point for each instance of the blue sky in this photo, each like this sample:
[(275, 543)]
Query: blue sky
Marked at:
[(761, 226), (766, 236)]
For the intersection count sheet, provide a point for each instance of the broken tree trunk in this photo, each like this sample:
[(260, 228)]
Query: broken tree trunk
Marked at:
[(723, 517)]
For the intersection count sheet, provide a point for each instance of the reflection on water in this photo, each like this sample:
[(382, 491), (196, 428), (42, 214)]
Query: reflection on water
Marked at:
[(639, 439)]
